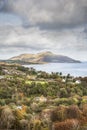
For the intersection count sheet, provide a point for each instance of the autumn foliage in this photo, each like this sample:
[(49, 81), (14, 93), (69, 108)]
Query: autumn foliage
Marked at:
[(72, 124)]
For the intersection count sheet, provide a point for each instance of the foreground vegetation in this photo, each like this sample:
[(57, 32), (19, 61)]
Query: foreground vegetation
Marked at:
[(36, 100)]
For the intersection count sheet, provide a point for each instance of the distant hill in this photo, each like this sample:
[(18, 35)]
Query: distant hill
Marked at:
[(43, 57)]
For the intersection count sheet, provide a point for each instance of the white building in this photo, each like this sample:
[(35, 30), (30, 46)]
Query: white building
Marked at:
[(78, 82), (40, 99)]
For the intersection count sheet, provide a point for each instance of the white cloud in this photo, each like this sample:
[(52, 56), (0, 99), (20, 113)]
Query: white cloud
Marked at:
[(56, 25), (21, 40)]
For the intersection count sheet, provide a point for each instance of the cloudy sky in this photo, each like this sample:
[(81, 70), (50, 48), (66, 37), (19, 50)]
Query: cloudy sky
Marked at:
[(31, 26)]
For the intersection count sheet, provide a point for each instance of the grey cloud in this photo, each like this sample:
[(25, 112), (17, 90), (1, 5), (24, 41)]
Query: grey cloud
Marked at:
[(20, 46), (36, 39), (55, 25), (17, 40), (49, 14), (22, 39)]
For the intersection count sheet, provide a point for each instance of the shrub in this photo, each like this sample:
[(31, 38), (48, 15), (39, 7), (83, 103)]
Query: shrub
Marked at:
[(66, 101), (35, 124), (66, 125), (63, 93), (23, 124), (84, 101), (84, 110), (7, 119), (58, 114), (73, 112)]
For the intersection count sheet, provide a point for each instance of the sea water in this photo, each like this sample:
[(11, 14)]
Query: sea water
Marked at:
[(74, 69)]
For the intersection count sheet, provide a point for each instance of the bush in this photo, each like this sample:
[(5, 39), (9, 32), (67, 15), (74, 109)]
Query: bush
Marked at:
[(2, 102), (66, 125), (73, 112), (84, 110), (23, 124), (22, 68), (84, 101), (58, 114), (7, 118), (67, 101)]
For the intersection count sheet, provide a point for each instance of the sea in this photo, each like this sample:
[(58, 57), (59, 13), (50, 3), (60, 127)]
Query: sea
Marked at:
[(74, 69)]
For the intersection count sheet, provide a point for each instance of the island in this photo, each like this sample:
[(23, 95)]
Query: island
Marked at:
[(42, 58)]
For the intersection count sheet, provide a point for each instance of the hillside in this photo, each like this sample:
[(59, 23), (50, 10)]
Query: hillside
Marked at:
[(37, 100), (43, 57)]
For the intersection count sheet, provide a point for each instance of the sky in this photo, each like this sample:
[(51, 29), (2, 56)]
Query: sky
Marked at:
[(32, 26)]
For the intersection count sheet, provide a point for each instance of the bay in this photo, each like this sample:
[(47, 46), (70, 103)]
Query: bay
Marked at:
[(74, 69)]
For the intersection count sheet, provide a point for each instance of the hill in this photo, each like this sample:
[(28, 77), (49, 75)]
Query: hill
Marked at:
[(40, 100), (43, 57)]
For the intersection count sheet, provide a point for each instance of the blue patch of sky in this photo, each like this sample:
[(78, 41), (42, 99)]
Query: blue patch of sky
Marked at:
[(9, 19)]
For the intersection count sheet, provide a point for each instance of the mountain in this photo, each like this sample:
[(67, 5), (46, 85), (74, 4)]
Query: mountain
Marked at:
[(43, 57)]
